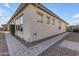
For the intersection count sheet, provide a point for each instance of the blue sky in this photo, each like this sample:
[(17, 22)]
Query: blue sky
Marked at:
[(6, 11), (67, 11)]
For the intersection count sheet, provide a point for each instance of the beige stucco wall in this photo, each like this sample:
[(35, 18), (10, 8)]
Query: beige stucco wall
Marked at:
[(27, 23), (31, 26), (43, 30)]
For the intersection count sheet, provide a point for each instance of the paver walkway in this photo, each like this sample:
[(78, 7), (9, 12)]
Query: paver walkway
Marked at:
[(68, 46), (15, 47), (3, 45)]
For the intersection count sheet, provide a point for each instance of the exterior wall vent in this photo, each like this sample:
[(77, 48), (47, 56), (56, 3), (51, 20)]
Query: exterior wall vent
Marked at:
[(35, 34)]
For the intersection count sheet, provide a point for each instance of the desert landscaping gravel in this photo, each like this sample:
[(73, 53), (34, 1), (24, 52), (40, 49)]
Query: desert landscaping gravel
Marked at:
[(57, 50), (3, 45)]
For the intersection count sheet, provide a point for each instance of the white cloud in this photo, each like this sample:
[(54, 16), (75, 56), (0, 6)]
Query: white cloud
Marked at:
[(74, 22), (2, 16), (1, 12), (7, 5), (3, 20), (75, 19), (76, 16)]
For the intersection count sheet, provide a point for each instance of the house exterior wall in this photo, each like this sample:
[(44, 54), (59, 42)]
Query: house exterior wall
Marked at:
[(18, 33), (27, 23), (38, 30), (33, 30)]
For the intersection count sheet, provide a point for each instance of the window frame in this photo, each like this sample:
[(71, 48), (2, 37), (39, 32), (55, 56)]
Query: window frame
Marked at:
[(19, 23), (59, 25), (41, 15), (53, 21), (48, 20)]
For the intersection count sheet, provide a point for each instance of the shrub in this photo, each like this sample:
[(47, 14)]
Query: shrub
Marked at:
[(12, 29), (69, 29)]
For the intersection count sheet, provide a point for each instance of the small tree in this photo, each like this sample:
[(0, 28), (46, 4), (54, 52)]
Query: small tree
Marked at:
[(12, 29)]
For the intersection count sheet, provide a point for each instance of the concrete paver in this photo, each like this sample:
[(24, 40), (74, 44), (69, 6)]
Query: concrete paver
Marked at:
[(46, 44), (15, 47)]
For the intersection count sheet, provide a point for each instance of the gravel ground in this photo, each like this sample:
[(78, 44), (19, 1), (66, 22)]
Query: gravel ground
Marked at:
[(56, 50), (3, 46), (73, 37)]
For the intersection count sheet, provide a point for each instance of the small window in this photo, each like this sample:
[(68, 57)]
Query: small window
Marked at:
[(59, 25), (48, 20), (19, 23), (40, 17), (53, 21)]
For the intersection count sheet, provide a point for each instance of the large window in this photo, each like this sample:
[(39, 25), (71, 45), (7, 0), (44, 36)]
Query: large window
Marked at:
[(48, 20), (19, 23), (16, 25), (40, 17)]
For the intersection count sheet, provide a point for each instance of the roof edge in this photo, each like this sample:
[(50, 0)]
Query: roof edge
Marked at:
[(42, 6)]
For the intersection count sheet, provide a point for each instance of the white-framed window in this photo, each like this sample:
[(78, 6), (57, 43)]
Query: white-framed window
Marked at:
[(48, 20), (16, 25), (19, 23), (40, 17)]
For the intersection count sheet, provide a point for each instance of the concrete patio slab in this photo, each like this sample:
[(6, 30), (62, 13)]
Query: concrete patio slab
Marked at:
[(70, 45)]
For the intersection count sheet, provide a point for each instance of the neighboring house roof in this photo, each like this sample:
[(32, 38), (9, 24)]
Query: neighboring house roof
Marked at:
[(75, 26), (3, 24), (38, 5)]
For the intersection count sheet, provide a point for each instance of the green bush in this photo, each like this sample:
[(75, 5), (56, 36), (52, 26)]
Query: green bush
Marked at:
[(69, 29), (12, 29)]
